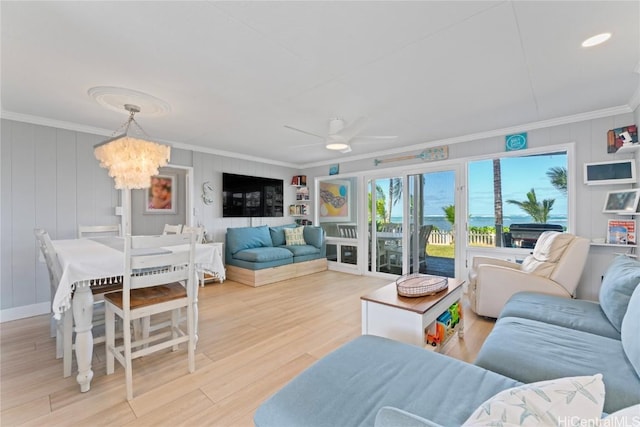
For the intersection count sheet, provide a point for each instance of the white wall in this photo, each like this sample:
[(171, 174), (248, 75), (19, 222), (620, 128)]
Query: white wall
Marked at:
[(49, 178), (143, 223), (590, 139)]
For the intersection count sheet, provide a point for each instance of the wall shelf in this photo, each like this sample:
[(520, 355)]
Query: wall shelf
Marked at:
[(630, 148), (612, 245)]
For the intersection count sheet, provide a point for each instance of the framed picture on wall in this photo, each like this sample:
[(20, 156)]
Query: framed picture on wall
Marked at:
[(335, 200), (160, 197)]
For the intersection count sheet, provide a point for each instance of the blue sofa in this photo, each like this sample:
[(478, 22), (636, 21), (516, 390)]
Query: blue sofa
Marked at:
[(376, 381), (249, 250), (550, 337)]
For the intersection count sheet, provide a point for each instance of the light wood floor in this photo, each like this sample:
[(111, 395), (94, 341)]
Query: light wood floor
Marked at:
[(252, 342)]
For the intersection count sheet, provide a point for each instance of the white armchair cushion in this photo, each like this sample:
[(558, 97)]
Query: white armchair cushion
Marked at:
[(547, 253), (554, 268)]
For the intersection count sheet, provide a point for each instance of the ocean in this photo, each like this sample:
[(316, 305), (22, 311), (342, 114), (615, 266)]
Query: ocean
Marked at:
[(484, 221)]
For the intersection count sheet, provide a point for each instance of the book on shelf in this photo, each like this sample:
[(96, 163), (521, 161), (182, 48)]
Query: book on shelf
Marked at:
[(298, 210), (621, 231), (299, 180), (302, 194)]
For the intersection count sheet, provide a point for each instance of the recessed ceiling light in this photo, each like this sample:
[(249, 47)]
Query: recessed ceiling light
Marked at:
[(596, 40)]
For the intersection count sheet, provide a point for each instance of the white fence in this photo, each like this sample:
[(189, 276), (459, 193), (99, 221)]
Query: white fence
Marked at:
[(439, 237)]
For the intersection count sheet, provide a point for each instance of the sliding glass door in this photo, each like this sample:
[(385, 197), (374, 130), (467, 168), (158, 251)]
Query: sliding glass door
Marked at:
[(386, 221), (431, 243), (411, 223)]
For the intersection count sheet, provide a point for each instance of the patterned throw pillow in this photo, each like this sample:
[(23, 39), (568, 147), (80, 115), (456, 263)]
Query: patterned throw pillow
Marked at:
[(294, 236), (564, 401)]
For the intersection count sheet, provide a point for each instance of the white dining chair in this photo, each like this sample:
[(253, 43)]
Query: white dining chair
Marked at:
[(63, 329), (55, 272), (99, 230), (152, 286), (172, 229), (199, 231)]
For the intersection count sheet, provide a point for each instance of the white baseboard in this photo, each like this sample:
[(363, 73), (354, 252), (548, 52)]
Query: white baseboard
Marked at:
[(22, 312)]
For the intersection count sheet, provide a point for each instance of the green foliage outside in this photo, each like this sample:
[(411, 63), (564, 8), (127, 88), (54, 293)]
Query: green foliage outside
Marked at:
[(538, 211), (444, 251)]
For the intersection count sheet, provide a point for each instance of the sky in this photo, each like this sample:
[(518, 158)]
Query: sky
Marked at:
[(519, 176)]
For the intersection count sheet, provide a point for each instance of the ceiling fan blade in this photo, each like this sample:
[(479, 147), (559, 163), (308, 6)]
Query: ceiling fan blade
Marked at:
[(376, 137), (354, 128), (304, 131)]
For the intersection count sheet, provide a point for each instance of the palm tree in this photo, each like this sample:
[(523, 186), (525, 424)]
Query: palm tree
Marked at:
[(380, 205), (539, 211), (558, 177), (395, 193), (450, 214), (497, 201)]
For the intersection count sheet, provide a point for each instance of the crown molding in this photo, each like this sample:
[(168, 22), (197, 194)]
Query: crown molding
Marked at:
[(590, 115), (634, 102), (60, 124)]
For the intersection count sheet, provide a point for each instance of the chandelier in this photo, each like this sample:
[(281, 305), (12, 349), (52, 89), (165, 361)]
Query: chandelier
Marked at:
[(131, 161)]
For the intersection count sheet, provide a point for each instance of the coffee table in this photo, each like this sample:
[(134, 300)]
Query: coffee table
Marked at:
[(386, 314)]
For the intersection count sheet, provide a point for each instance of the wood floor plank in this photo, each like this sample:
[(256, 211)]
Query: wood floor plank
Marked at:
[(252, 341)]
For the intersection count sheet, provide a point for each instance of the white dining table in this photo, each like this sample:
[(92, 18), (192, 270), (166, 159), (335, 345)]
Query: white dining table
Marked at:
[(87, 261)]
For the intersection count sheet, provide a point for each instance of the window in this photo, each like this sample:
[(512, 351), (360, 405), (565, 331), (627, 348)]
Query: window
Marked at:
[(513, 199)]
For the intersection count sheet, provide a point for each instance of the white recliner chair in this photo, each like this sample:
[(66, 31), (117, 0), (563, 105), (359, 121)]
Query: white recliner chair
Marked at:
[(554, 268)]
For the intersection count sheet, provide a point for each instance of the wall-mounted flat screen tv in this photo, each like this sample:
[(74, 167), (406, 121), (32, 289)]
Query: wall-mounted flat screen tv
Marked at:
[(251, 196)]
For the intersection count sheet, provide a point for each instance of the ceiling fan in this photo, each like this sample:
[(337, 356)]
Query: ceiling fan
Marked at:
[(340, 136)]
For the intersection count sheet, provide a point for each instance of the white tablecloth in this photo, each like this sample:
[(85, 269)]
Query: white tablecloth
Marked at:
[(83, 260)]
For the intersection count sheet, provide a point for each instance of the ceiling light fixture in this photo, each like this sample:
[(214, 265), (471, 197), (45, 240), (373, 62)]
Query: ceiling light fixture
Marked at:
[(131, 160), (336, 142), (596, 40)]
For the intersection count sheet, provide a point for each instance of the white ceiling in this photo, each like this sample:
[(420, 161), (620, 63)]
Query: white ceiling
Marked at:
[(234, 73)]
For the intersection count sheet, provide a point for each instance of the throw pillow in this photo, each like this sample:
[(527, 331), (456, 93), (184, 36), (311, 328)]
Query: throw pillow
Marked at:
[(277, 234), (629, 333), (624, 417), (294, 236), (563, 401), (620, 280)]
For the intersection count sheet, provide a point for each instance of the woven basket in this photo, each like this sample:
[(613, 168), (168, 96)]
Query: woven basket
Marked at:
[(420, 285)]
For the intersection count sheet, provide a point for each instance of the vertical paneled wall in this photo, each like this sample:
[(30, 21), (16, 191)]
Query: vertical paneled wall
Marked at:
[(145, 223), (50, 179), (590, 139)]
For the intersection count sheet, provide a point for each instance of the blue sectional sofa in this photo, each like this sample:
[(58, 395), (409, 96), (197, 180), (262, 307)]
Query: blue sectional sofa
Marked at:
[(260, 255), (550, 337), (375, 381)]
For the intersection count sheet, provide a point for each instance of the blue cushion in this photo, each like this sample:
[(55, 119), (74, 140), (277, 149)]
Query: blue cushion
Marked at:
[(576, 314), (240, 238), (388, 416), (349, 386), (630, 334), (531, 351), (301, 250), (263, 254), (620, 280), (277, 234), (314, 235)]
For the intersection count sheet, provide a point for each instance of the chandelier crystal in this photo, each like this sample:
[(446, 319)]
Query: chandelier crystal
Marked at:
[(131, 161)]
